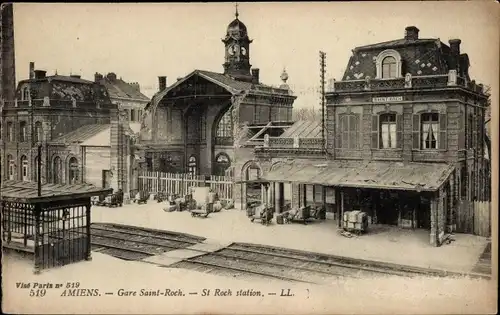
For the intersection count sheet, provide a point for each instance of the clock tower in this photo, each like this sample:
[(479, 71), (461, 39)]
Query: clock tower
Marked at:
[(237, 50)]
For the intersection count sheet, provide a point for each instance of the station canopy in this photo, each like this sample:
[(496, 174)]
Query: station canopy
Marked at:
[(19, 191), (360, 174)]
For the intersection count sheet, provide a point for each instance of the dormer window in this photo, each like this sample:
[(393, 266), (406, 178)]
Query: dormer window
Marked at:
[(388, 64), (389, 67)]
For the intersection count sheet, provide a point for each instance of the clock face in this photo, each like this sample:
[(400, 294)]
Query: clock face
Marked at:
[(236, 49), (230, 50), (243, 51)]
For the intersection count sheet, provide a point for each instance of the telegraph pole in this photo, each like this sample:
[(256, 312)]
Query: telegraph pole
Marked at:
[(322, 63)]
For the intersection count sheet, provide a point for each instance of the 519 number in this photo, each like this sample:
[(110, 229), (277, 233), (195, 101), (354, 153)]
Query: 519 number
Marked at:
[(39, 292)]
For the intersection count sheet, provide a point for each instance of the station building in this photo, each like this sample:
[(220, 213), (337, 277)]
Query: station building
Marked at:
[(208, 123), (404, 141)]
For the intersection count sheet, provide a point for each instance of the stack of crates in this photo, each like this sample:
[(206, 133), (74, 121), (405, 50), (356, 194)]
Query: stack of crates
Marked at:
[(356, 221)]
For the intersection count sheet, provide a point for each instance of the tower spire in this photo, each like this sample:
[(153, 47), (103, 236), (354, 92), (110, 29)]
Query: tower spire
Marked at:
[(236, 12)]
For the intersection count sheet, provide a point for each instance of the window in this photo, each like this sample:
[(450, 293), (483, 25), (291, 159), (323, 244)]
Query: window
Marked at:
[(24, 170), (224, 133), (73, 171), (11, 167), (389, 67), (38, 132), (10, 132), (133, 118), (430, 131), (222, 163), (349, 131), (203, 127), (256, 114), (57, 170), (22, 131), (192, 167), (388, 64), (388, 138), (25, 94)]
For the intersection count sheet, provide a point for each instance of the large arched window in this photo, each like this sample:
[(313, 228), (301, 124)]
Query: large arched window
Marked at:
[(224, 130), (389, 67), (57, 170), (222, 163), (72, 171), (192, 167), (24, 169), (38, 132), (11, 167)]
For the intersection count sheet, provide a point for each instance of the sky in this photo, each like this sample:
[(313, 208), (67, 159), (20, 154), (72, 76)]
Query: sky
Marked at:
[(140, 42)]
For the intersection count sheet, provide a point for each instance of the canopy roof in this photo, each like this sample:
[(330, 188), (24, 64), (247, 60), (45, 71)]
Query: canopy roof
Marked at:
[(359, 174), (27, 192)]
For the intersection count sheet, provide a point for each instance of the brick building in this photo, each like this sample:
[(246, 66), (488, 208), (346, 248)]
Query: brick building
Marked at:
[(7, 59), (128, 97), (81, 134), (207, 122), (405, 140)]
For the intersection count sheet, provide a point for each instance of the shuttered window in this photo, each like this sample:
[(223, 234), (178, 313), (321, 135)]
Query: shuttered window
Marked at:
[(461, 132), (443, 126), (429, 131), (349, 131), (387, 131)]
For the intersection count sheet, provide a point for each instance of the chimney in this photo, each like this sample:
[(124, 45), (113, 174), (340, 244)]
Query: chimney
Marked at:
[(454, 54), (255, 76), (40, 74), (32, 70), (98, 77), (136, 86), (162, 83), (411, 33), (111, 76)]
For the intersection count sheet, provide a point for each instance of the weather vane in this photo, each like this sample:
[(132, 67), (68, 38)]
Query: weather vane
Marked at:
[(236, 14)]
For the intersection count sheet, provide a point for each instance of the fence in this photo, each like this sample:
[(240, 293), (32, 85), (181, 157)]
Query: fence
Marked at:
[(173, 183), (474, 217)]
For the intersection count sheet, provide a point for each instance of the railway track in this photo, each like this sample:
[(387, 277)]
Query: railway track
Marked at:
[(245, 260), (135, 243)]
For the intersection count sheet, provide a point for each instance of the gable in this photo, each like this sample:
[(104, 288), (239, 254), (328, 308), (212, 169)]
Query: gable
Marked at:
[(101, 139)]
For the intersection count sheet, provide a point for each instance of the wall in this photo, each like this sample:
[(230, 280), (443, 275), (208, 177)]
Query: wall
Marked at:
[(97, 159)]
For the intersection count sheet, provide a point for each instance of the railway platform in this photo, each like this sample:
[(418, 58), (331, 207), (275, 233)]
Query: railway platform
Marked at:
[(391, 245)]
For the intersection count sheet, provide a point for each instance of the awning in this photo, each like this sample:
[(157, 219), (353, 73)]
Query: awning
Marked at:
[(19, 191), (359, 174)]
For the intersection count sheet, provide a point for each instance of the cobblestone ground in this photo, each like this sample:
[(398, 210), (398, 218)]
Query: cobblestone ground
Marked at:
[(382, 243)]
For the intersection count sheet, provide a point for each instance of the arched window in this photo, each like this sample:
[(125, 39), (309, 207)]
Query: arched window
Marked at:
[(38, 132), (22, 131), (224, 131), (222, 163), (73, 171), (57, 170), (389, 67), (11, 167), (192, 167), (24, 169), (10, 132), (389, 64)]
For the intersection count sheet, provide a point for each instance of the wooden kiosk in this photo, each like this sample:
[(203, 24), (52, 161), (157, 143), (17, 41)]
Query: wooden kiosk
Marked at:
[(49, 222)]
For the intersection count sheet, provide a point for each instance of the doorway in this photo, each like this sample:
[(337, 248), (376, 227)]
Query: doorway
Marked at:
[(106, 178)]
